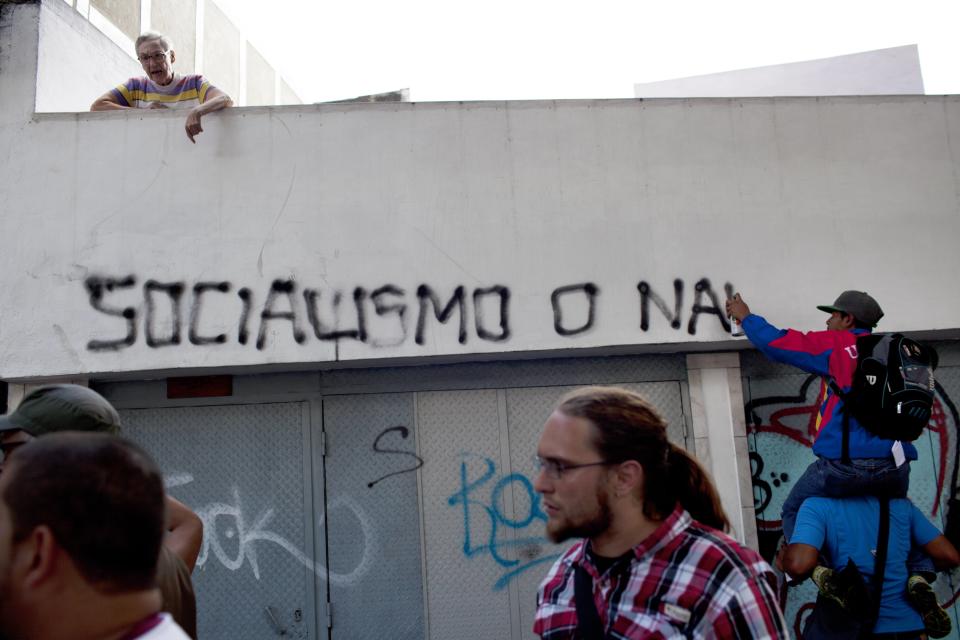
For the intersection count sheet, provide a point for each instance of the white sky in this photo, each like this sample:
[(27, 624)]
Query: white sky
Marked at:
[(534, 49)]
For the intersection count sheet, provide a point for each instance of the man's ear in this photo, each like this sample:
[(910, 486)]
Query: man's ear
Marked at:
[(848, 321), (628, 478), (173, 56), (37, 557)]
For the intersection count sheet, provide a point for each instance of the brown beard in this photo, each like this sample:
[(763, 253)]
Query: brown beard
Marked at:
[(588, 529)]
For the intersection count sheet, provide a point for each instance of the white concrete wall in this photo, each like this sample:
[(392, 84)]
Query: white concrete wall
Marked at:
[(790, 200), (893, 71), (177, 19), (224, 51), (122, 13), (261, 83), (19, 38), (77, 63)]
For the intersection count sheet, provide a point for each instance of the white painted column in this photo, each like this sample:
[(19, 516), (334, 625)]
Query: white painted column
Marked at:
[(19, 55), (720, 436), (198, 48), (146, 8), (242, 90)]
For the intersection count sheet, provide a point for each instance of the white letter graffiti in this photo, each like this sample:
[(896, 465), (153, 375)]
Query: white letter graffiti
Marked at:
[(247, 534)]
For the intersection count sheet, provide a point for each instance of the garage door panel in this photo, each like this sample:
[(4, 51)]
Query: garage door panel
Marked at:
[(240, 468), (372, 516)]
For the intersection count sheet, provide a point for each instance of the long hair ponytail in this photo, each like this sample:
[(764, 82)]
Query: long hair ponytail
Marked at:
[(692, 487)]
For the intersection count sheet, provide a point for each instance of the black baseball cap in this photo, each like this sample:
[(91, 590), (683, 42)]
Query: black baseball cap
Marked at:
[(857, 304), (62, 407)]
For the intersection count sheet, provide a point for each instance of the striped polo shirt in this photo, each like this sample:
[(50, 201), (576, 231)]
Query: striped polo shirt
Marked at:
[(184, 92)]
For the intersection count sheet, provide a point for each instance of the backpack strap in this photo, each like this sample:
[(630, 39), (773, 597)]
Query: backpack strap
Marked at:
[(588, 618), (845, 410), (952, 527), (880, 563)]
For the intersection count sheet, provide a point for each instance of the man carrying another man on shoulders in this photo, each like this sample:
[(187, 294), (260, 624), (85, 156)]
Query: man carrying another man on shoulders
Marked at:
[(846, 531), (852, 461), (164, 89)]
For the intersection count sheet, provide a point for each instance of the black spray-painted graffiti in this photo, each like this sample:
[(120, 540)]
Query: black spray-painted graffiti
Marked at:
[(701, 288), (590, 291), (404, 433), (322, 313)]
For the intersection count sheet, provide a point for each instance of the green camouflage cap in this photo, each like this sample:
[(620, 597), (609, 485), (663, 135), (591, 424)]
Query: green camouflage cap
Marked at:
[(858, 304), (62, 407)]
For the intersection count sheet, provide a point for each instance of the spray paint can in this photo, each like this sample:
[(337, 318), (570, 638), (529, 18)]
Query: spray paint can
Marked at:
[(736, 330)]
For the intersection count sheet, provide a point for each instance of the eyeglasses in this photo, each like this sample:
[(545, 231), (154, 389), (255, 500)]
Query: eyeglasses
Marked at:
[(154, 56), (555, 468)]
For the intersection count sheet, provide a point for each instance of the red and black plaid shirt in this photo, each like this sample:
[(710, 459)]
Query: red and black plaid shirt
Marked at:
[(684, 580)]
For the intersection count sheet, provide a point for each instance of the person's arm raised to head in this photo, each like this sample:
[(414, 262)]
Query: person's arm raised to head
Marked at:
[(184, 532), (215, 100)]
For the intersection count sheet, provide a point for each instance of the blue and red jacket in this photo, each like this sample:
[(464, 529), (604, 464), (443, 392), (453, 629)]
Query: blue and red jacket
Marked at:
[(830, 354)]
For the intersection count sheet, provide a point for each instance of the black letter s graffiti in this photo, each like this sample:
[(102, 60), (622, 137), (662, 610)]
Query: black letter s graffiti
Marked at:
[(97, 286), (404, 433)]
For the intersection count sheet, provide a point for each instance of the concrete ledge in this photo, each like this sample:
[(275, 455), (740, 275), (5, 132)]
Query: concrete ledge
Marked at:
[(713, 361)]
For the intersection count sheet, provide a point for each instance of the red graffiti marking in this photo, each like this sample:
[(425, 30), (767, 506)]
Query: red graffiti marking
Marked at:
[(938, 425)]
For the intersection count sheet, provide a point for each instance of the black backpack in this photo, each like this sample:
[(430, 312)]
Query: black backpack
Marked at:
[(893, 386)]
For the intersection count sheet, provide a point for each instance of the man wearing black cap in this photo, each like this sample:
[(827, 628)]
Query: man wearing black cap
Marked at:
[(68, 407), (877, 466)]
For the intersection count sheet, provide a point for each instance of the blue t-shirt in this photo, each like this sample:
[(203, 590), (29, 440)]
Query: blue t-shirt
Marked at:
[(848, 528)]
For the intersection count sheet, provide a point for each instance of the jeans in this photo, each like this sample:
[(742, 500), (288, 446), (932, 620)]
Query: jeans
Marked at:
[(863, 477)]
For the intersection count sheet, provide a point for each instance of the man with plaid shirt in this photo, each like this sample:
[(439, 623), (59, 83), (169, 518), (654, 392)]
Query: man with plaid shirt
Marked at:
[(653, 562)]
